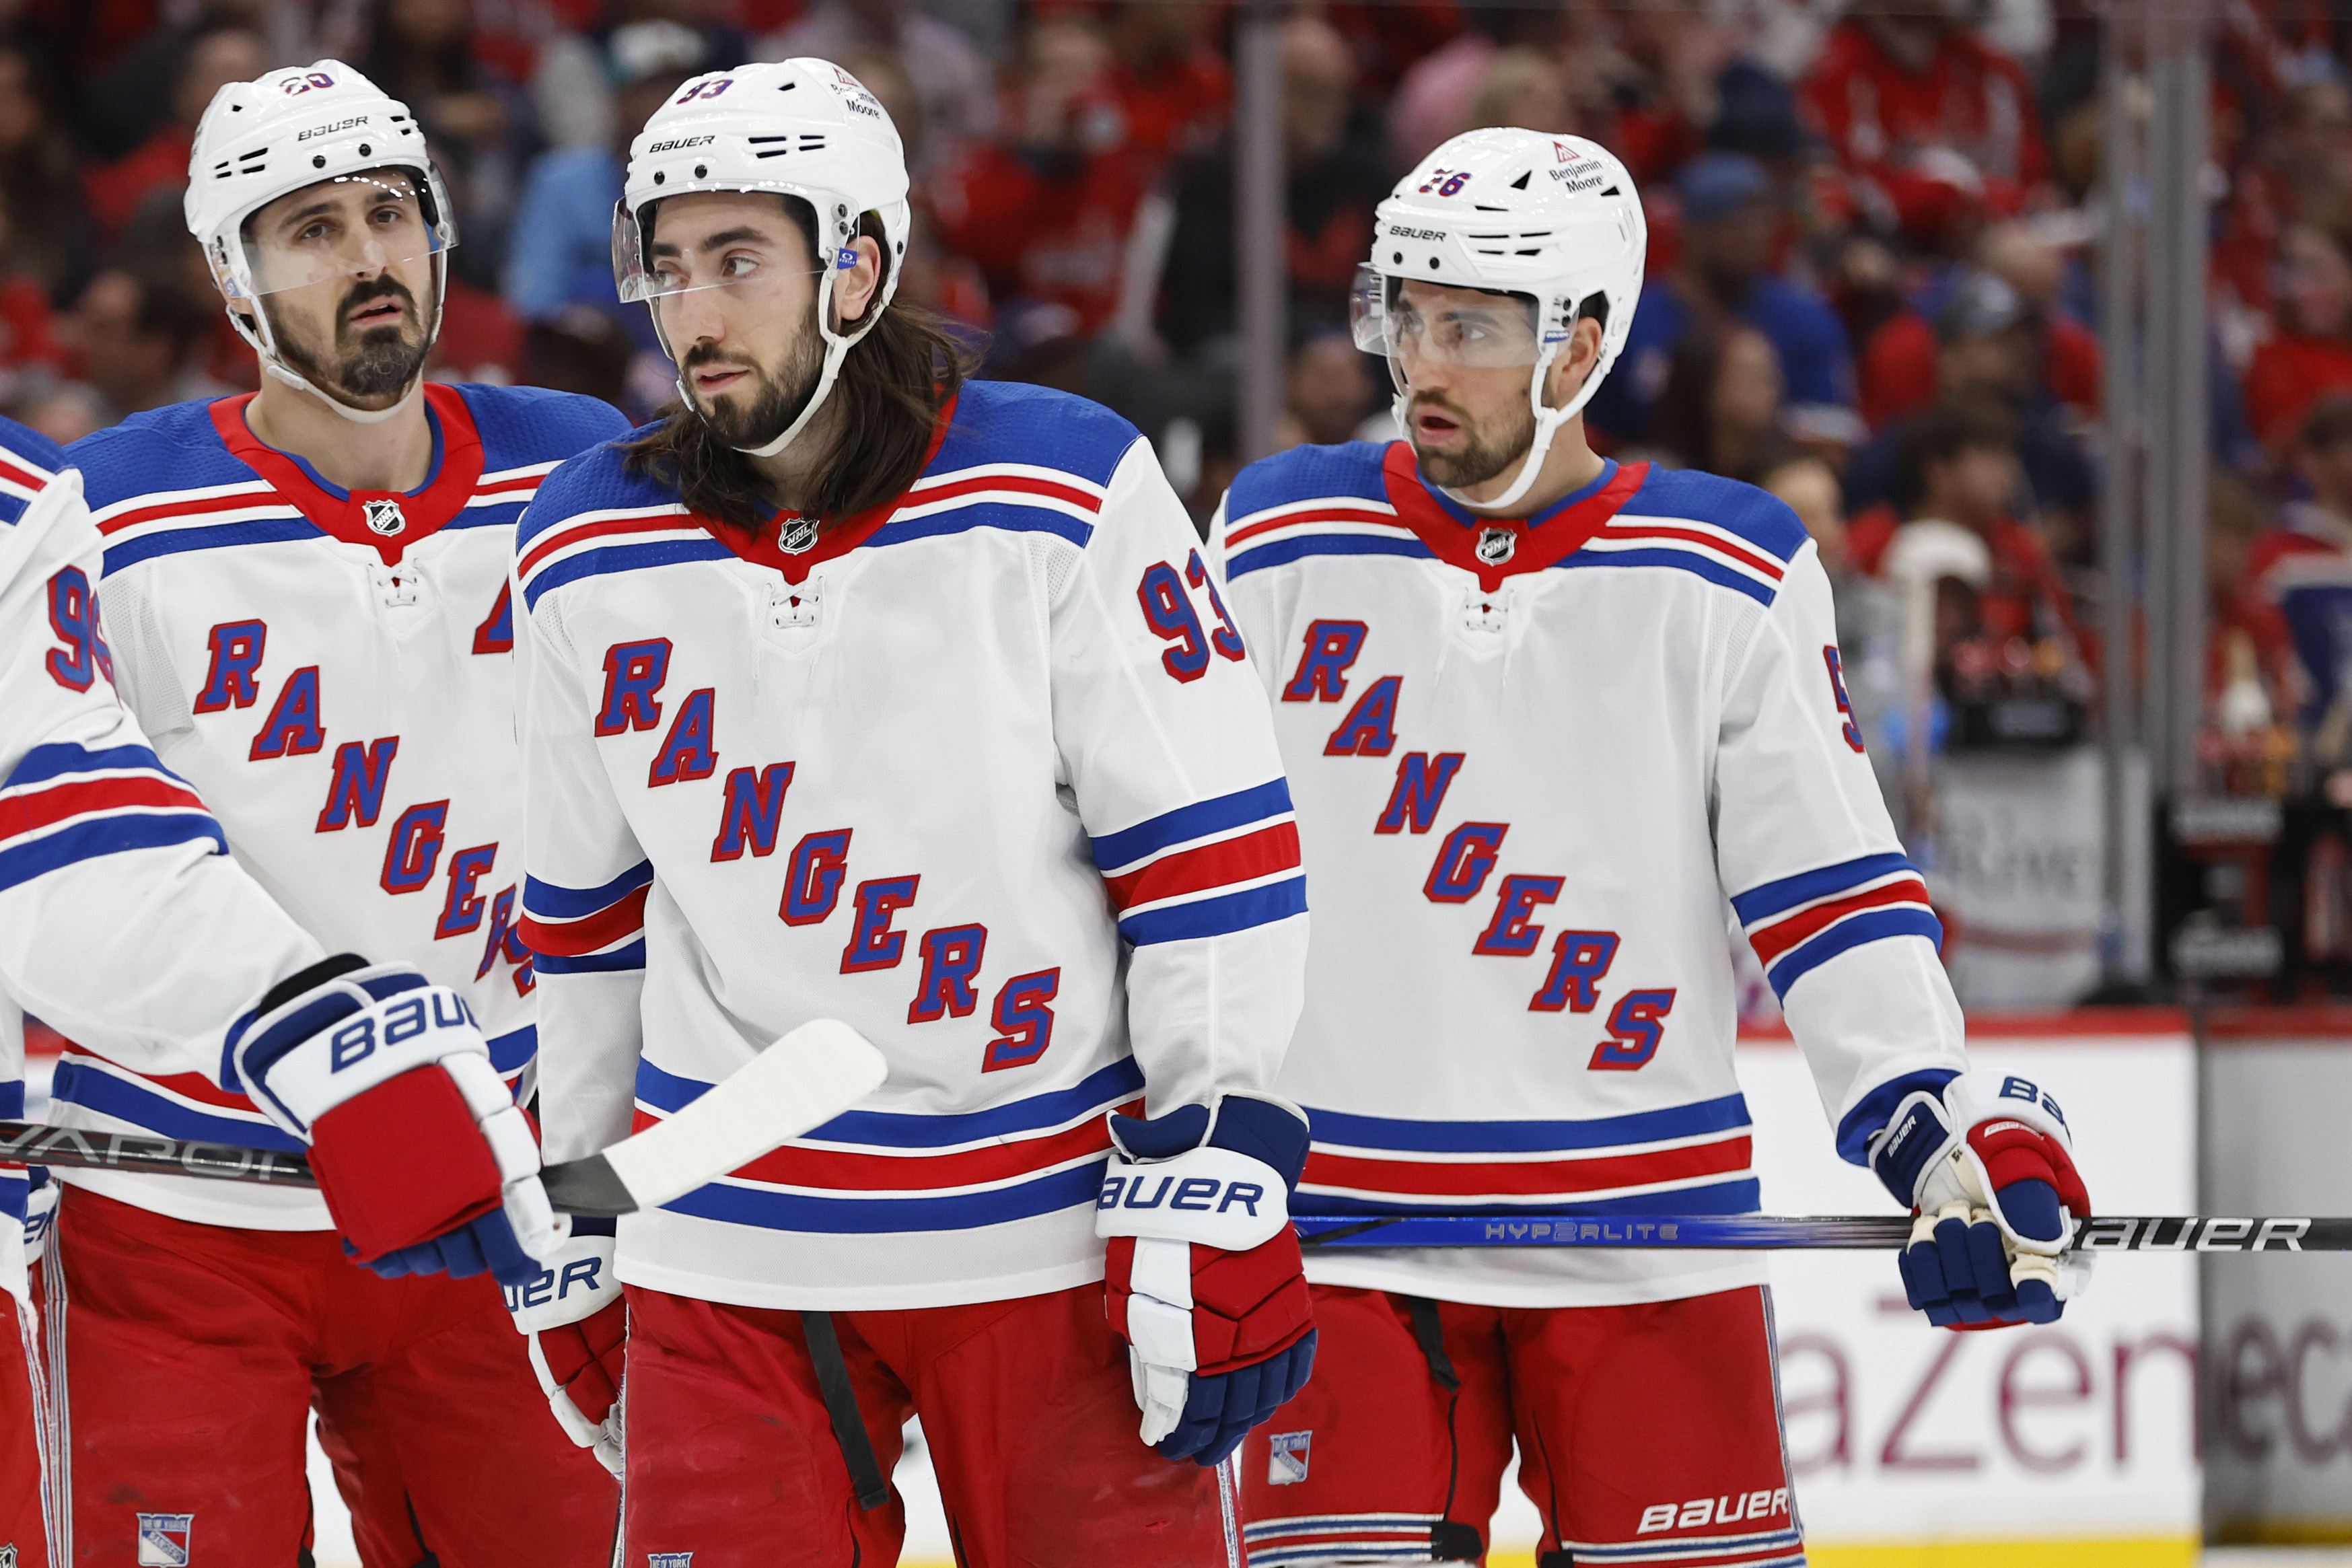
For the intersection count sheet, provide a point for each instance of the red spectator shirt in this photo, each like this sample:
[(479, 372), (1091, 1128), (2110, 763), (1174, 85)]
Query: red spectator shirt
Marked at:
[(1896, 370), (1881, 118), (2289, 374), (2023, 575)]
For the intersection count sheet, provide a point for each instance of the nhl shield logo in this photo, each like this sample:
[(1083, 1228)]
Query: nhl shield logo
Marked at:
[(1286, 1462), (8, 1554), (384, 516), (163, 1539), (1497, 546), (797, 536)]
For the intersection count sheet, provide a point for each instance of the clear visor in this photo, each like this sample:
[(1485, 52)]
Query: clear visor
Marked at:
[(342, 230), (757, 258), (1409, 321)]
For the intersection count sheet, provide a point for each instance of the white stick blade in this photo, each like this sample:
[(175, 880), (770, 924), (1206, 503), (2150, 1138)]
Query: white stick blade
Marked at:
[(803, 1079)]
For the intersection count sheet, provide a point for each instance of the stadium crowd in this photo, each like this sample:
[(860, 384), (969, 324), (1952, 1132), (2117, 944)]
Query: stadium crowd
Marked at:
[(1871, 287)]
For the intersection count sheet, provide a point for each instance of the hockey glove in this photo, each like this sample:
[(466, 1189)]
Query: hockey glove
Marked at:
[(425, 1160), (1204, 1280), (578, 1327), (1988, 1169)]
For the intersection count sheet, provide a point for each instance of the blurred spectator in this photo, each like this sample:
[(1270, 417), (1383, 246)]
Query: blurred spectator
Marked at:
[(137, 335), (64, 411), (2319, 522), (951, 80), (1990, 346), (1732, 220), (1810, 486), (581, 349), (422, 53), (1938, 127), (1434, 98), (1328, 388), (158, 235), (1960, 464), (1684, 82), (1898, 374), (2311, 354), (561, 252), (573, 98), (131, 99), (112, 191), (1174, 89), (1335, 176), (1721, 407), (28, 325), (481, 339), (2251, 672), (36, 176), (1523, 88)]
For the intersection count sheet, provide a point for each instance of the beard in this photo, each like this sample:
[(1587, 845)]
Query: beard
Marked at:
[(1484, 453), (753, 419), (372, 365)]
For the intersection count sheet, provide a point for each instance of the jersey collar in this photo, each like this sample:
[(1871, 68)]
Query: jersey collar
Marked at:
[(1465, 539), (412, 515), (765, 548)]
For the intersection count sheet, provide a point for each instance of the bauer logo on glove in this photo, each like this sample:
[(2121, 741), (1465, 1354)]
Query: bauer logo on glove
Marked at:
[(1987, 1167)]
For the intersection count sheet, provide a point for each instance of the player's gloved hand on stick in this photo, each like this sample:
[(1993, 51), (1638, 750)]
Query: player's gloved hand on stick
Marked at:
[(425, 1162), (572, 1313), (1988, 1167), (1204, 1278)]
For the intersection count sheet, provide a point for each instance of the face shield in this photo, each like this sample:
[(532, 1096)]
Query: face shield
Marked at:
[(342, 229), (1414, 323), (756, 261)]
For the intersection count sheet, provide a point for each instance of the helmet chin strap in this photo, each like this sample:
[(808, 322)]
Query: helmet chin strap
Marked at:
[(836, 348), (256, 331), (1548, 422)]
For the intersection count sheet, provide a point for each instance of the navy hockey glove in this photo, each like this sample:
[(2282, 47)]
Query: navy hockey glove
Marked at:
[(1204, 1279), (1988, 1169), (425, 1160)]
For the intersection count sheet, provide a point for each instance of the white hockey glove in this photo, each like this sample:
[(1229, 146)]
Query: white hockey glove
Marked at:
[(1203, 1279), (425, 1162), (1988, 1169), (578, 1326)]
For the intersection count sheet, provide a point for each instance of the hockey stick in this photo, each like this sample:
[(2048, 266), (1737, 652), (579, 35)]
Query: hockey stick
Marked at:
[(2169, 1233), (803, 1079)]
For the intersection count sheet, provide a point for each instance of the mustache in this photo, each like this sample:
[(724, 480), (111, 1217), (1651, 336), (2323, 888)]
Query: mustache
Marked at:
[(365, 294), (1438, 403), (710, 354)]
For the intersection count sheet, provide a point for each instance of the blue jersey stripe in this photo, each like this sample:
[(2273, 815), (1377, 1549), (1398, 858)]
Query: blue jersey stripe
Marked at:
[(1122, 1080), (1875, 1110), (630, 957), (1871, 925), (1201, 817), (614, 558), (1681, 560), (110, 1096), (1008, 516), (514, 1049), (772, 1210), (1771, 897), (173, 542), (1692, 1121), (550, 901), (106, 836), (1282, 552), (1220, 916), (16, 1187), (61, 757), (1745, 1195)]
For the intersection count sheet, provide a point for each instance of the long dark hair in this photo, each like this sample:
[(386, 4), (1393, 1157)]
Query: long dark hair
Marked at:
[(893, 384)]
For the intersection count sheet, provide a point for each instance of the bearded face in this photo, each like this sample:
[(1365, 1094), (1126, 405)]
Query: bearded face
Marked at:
[(755, 407), (368, 351)]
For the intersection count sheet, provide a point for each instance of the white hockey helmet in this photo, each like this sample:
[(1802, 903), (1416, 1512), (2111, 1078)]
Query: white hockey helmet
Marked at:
[(803, 128), (1554, 220), (289, 130)]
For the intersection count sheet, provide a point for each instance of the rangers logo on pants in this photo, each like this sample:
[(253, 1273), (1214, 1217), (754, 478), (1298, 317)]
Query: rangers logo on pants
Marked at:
[(163, 1539)]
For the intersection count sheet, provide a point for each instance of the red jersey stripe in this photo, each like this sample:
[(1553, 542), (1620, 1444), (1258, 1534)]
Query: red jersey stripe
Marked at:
[(25, 813), (1771, 942), (17, 473), (1721, 547), (203, 1090), (842, 1171), (260, 495), (1021, 482), (1524, 1179), (1253, 854), (573, 535), (589, 933), (1336, 513)]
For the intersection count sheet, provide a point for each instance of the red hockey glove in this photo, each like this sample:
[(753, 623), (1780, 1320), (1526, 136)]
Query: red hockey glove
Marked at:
[(578, 1326), (1988, 1167), (425, 1160), (1203, 1278)]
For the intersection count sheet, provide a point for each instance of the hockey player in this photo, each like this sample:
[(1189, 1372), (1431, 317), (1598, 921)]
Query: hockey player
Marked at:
[(853, 688), (308, 591), (124, 922), (1543, 714)]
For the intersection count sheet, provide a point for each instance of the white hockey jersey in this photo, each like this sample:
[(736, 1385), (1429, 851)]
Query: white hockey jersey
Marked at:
[(123, 921), (983, 773), (333, 672), (1532, 760)]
